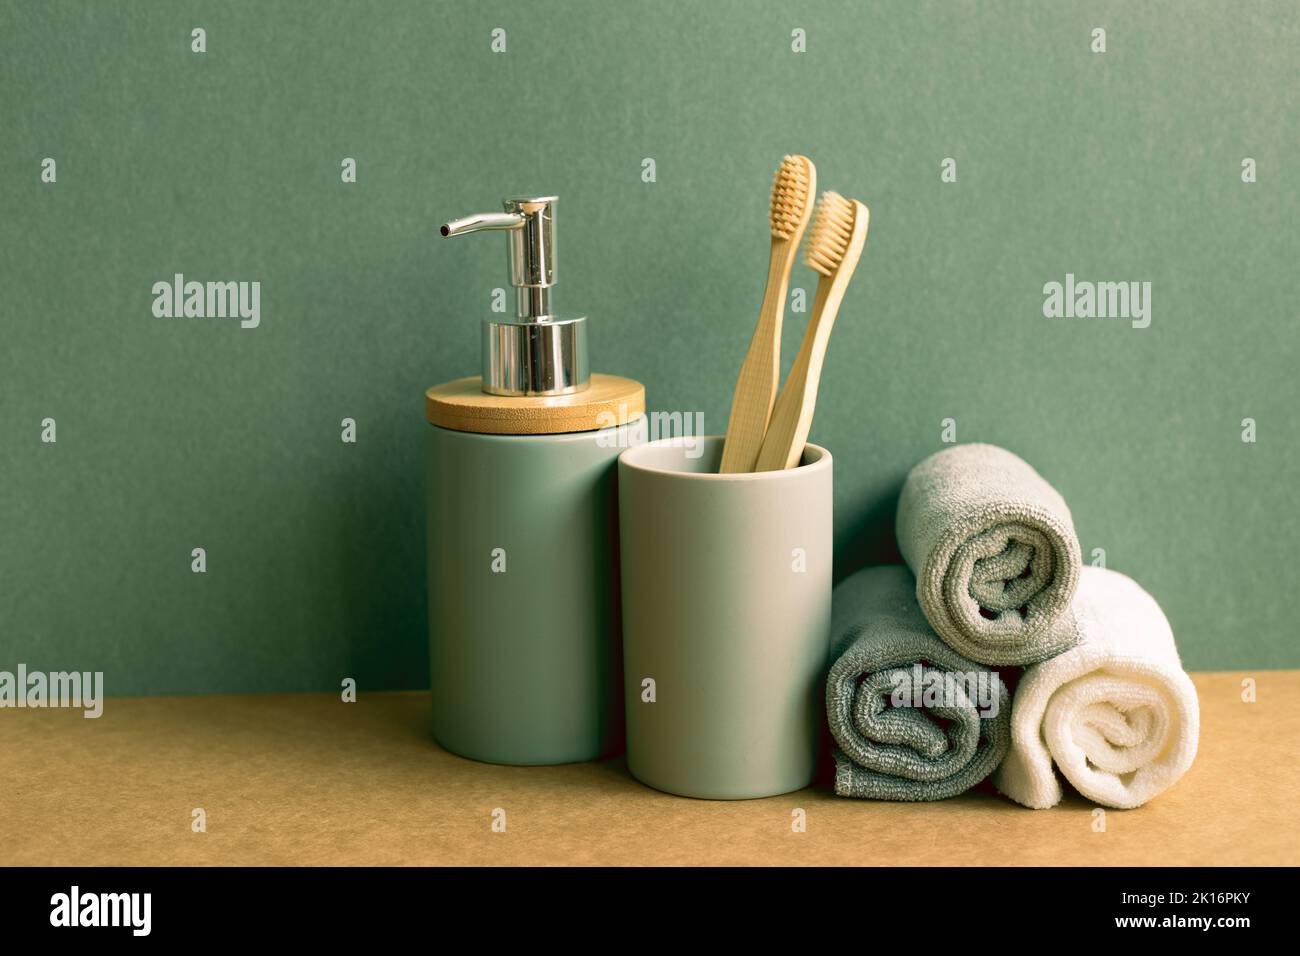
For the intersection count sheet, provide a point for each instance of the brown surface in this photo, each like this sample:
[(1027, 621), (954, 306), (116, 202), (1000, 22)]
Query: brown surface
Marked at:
[(307, 779), (462, 406)]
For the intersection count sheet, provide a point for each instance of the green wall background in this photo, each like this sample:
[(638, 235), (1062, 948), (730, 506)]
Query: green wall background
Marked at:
[(183, 433)]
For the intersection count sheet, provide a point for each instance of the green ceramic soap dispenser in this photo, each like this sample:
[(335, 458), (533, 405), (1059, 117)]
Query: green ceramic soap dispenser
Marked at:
[(524, 635)]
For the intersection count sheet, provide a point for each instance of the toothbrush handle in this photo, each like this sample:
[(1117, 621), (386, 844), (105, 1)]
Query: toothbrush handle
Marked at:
[(787, 432), (791, 420), (751, 404)]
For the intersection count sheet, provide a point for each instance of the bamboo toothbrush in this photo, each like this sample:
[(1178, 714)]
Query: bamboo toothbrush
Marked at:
[(793, 193), (834, 246)]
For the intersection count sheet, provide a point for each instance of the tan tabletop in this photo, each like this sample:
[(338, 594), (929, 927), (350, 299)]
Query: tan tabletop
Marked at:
[(308, 779)]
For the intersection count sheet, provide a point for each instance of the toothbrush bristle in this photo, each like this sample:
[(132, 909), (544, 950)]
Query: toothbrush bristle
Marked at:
[(791, 196), (831, 230)]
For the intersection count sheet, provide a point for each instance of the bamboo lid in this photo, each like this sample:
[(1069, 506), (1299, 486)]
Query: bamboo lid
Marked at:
[(463, 406)]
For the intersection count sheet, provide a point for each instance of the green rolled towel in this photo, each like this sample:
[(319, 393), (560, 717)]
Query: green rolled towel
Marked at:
[(912, 718), (994, 552)]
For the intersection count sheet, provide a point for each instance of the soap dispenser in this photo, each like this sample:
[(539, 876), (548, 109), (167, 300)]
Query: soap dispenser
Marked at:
[(524, 635)]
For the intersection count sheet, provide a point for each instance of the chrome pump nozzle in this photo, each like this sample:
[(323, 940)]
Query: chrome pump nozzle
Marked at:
[(531, 224), (539, 353)]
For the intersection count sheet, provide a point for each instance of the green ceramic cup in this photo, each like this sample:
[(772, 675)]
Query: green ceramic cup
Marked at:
[(523, 594), (726, 583)]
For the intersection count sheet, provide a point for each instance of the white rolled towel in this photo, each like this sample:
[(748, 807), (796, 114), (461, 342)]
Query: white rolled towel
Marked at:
[(1116, 713)]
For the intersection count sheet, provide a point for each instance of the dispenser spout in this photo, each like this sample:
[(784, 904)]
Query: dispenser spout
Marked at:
[(482, 222)]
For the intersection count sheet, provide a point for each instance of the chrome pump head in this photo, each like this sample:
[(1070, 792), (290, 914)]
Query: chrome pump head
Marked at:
[(538, 352)]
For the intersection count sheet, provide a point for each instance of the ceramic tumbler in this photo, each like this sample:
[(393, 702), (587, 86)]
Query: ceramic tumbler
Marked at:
[(523, 593), (726, 583)]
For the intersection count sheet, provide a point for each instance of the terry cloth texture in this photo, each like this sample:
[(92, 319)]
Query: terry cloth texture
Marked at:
[(908, 752), (994, 552), (1117, 713)]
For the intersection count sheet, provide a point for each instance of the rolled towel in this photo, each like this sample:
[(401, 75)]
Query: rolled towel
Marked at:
[(1116, 713), (912, 718), (994, 552)]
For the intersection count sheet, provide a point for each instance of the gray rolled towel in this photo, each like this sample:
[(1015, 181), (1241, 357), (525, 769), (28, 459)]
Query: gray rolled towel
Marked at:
[(912, 718), (994, 552)]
